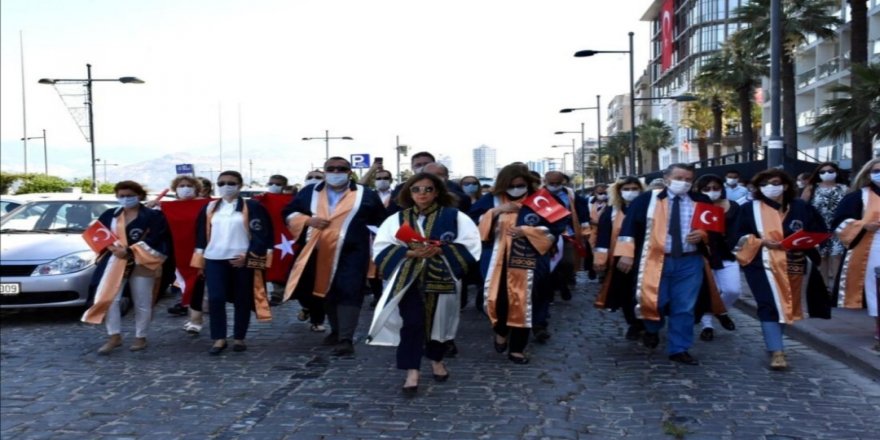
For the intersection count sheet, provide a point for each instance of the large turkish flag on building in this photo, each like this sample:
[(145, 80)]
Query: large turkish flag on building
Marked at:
[(182, 216), (282, 256), (667, 33)]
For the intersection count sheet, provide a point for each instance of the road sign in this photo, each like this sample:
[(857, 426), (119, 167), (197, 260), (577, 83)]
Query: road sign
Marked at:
[(185, 168), (360, 161)]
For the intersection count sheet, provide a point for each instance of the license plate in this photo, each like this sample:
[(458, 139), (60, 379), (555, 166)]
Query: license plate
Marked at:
[(10, 288)]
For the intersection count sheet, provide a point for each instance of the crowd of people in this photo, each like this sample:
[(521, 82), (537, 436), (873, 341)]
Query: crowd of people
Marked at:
[(417, 247)]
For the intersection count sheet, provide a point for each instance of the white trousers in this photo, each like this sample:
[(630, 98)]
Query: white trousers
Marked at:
[(871, 277), (729, 283), (142, 296)]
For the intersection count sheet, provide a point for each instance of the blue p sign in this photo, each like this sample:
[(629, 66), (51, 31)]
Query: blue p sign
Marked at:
[(360, 161)]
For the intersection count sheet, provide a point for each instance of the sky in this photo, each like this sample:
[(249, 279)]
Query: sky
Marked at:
[(445, 77)]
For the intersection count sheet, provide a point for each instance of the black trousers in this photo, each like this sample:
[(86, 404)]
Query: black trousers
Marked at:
[(198, 295), (517, 337), (414, 335)]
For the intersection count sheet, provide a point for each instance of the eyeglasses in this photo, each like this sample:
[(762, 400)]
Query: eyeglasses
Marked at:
[(772, 182), (224, 183), (315, 177), (420, 189), (337, 169), (827, 172), (383, 178), (521, 186)]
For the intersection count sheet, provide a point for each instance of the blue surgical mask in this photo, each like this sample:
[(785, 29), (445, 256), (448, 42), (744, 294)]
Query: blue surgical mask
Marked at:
[(274, 189), (470, 188), (129, 201), (336, 179), (554, 188), (875, 177)]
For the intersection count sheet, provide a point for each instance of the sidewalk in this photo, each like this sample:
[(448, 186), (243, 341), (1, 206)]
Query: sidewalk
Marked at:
[(847, 337)]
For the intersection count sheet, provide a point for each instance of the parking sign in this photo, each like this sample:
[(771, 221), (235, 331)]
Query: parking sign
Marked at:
[(359, 161), (185, 168)]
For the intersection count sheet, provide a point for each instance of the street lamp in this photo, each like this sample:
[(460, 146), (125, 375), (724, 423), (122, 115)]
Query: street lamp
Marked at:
[(598, 109), (327, 142), (88, 83), (105, 167), (632, 97), (400, 149), (573, 155), (45, 152)]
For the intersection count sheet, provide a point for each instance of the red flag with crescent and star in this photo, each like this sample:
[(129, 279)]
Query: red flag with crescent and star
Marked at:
[(708, 217), (803, 240), (545, 205), (285, 248), (98, 237)]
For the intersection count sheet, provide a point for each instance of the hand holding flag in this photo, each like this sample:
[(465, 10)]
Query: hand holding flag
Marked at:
[(803, 240), (408, 235), (708, 217), (98, 237), (545, 205)]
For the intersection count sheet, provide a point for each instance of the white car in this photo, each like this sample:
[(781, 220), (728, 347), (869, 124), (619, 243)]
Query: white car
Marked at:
[(44, 262)]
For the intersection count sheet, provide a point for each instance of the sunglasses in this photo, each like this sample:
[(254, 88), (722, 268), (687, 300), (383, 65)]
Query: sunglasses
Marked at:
[(422, 189), (827, 172), (224, 183), (519, 186), (383, 178), (315, 177), (337, 169), (771, 183)]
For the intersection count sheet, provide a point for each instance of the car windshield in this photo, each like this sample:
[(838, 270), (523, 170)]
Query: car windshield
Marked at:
[(54, 216), (6, 206)]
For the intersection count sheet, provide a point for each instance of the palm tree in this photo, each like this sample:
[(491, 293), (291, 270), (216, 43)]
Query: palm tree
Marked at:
[(844, 114), (615, 150), (800, 18), (653, 136), (861, 141), (738, 68), (718, 99), (698, 117)]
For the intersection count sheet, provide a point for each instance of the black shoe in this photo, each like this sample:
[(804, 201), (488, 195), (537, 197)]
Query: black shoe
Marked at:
[(343, 348), (651, 340), (707, 334), (303, 315), (518, 360), (541, 334), (331, 339), (451, 349), (726, 322), (374, 302), (684, 358), (275, 301), (178, 310), (634, 332), (410, 391), (565, 293), (215, 350), (239, 347), (500, 348)]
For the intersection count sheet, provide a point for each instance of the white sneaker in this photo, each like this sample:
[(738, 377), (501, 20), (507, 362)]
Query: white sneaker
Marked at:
[(192, 328)]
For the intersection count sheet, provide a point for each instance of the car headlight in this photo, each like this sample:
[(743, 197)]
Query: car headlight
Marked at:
[(74, 262)]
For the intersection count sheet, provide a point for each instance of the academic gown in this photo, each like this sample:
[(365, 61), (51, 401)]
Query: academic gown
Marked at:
[(333, 262), (438, 278), (526, 261), (779, 279), (853, 212)]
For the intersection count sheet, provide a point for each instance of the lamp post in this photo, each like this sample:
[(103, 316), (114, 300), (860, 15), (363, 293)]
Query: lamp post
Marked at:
[(775, 144), (327, 138), (45, 151), (104, 162), (632, 97), (573, 155), (598, 109), (400, 149), (88, 84)]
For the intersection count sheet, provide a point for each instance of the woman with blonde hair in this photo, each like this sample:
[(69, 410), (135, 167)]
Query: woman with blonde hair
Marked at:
[(856, 223), (618, 288)]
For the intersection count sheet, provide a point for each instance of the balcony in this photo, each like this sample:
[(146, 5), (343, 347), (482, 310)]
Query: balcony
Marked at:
[(806, 118), (828, 68), (807, 78)]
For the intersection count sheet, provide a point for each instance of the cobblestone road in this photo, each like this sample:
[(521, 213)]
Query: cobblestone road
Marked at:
[(586, 382)]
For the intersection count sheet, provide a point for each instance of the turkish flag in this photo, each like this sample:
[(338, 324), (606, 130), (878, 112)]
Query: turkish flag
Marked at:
[(182, 216), (407, 234), (578, 246), (803, 240), (708, 217), (98, 237), (545, 205), (285, 249)]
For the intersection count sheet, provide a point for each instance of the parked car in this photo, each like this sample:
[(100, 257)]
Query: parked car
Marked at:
[(9, 203), (44, 261)]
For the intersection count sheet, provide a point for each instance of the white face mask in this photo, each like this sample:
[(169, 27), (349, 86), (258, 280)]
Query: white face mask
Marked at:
[(554, 188), (828, 177), (517, 192), (678, 187), (185, 192), (875, 177), (228, 190), (312, 182), (630, 195), (418, 170), (336, 179), (129, 201), (602, 197), (732, 181), (713, 195), (471, 188), (274, 189), (383, 185), (772, 191), (800, 184)]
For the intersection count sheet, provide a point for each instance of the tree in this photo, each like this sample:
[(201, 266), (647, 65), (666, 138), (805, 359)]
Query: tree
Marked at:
[(720, 100), (738, 68), (653, 136), (861, 140), (6, 181), (41, 183), (843, 115), (800, 18), (616, 149), (698, 117), (85, 185)]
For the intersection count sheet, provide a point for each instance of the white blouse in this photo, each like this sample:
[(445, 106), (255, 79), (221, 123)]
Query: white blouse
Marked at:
[(229, 238)]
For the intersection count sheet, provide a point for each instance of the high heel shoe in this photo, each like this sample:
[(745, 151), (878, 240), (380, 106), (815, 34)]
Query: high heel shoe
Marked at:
[(500, 348), (518, 360), (442, 377), (410, 391)]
